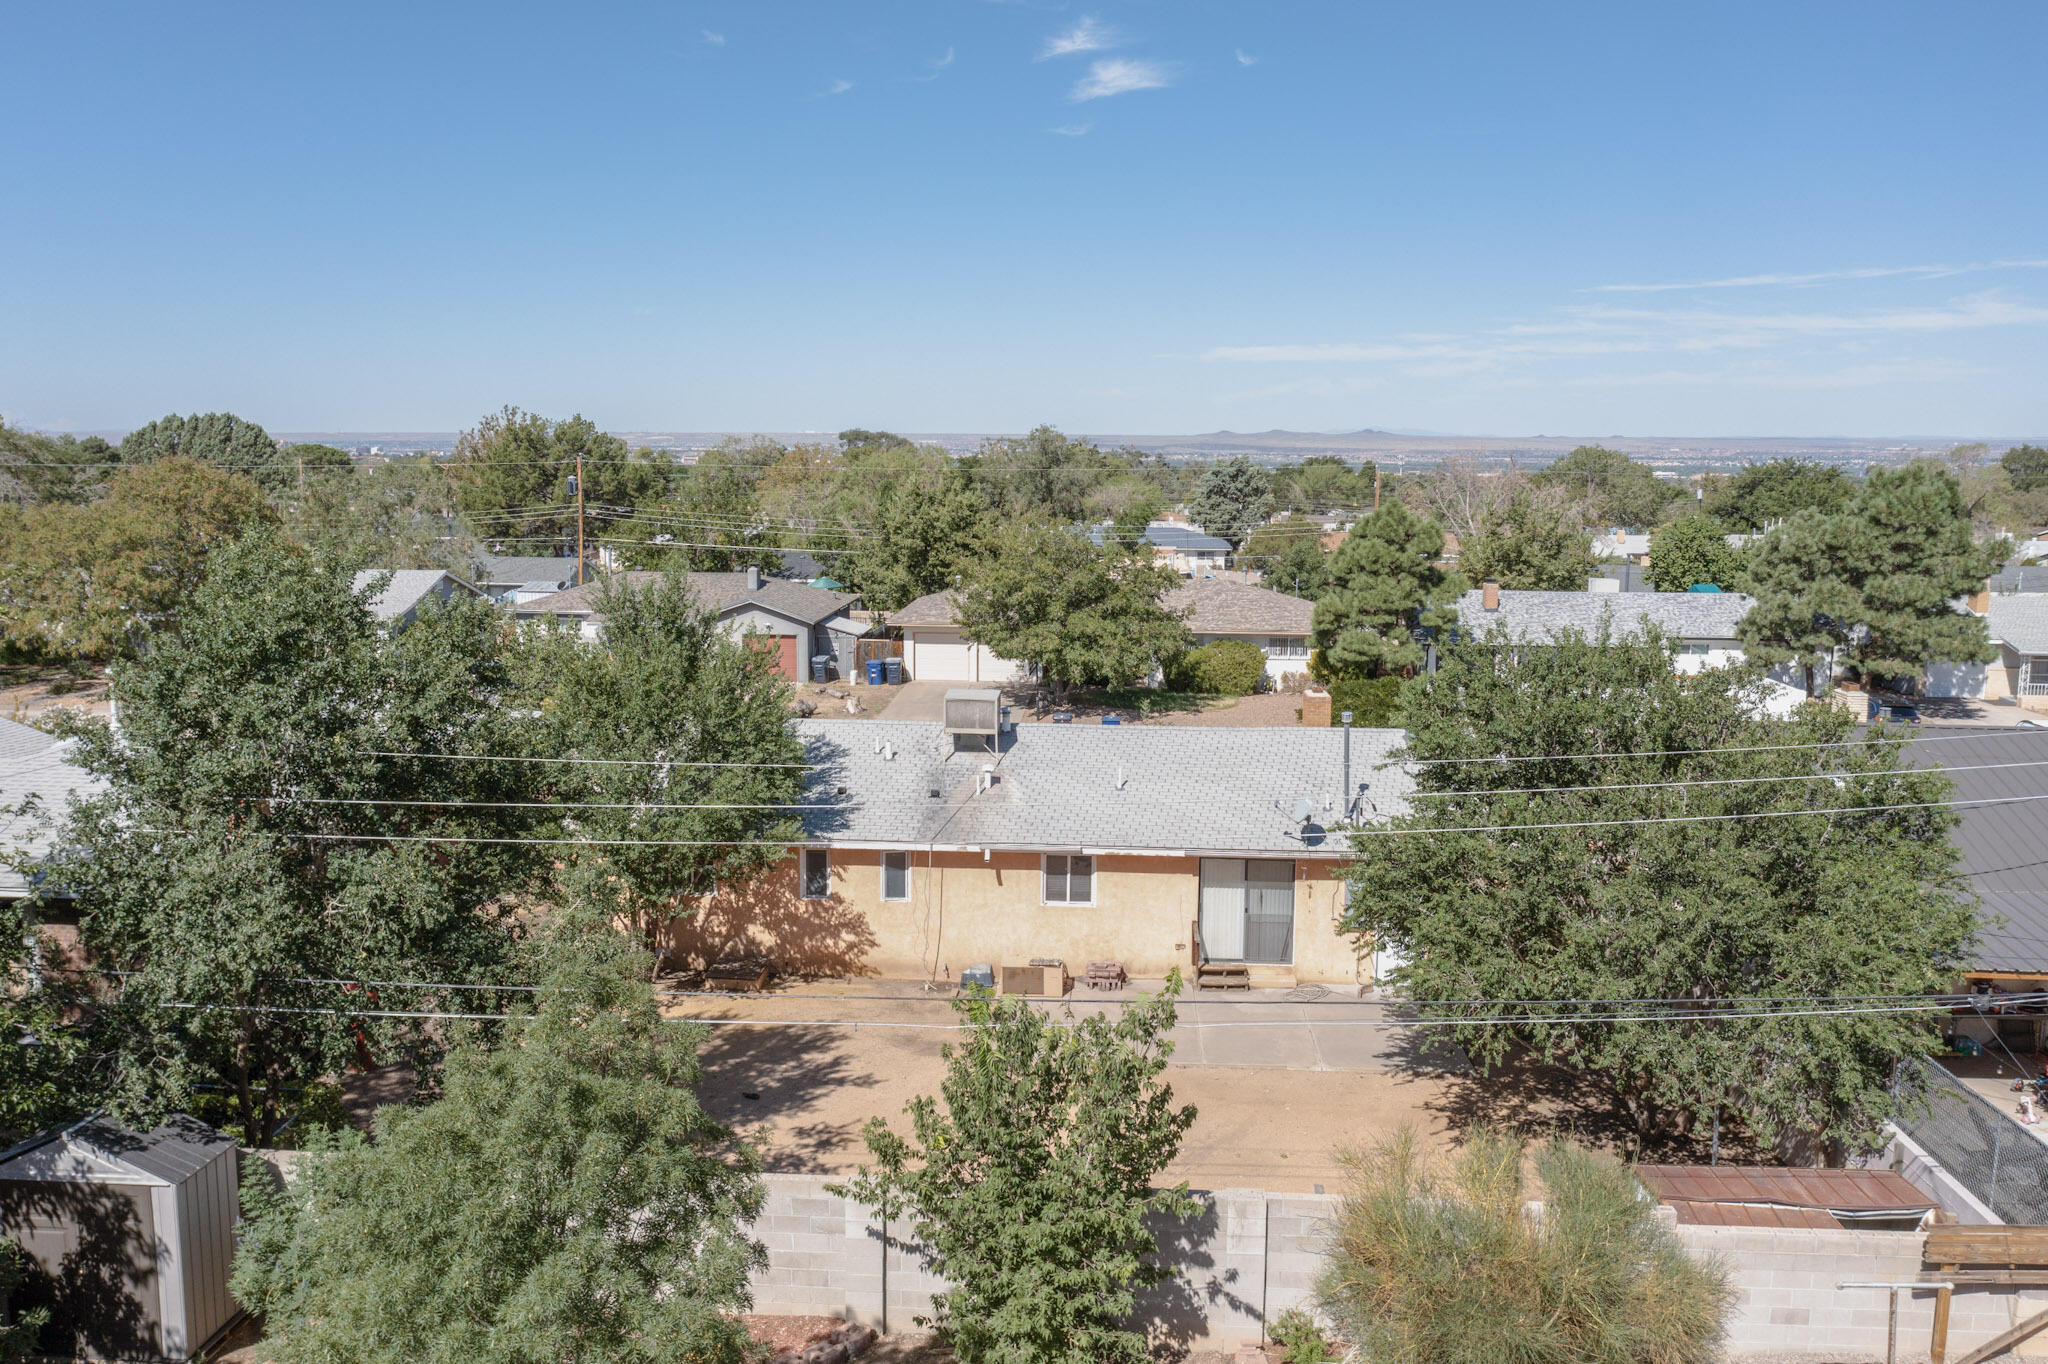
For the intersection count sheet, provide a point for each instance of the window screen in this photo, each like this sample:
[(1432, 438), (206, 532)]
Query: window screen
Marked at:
[(1069, 879), (817, 874), (895, 876)]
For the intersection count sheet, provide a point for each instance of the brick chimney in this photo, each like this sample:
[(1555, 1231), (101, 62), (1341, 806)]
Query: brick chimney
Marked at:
[(1980, 600), (1315, 708), (1489, 595)]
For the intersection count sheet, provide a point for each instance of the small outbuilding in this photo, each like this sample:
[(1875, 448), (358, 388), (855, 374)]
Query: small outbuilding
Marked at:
[(130, 1236)]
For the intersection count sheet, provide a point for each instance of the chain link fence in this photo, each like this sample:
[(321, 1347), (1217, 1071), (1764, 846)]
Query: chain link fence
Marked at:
[(1989, 1153)]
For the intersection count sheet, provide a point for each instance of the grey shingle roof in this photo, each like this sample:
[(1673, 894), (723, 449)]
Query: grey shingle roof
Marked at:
[(517, 570), (20, 741), (1183, 789), (1688, 615), (2004, 847), (719, 591), (933, 608), (1218, 606), (44, 774), (2020, 621), (406, 590)]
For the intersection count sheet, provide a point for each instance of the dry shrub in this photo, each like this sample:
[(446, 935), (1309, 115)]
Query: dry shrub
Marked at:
[(1434, 1260)]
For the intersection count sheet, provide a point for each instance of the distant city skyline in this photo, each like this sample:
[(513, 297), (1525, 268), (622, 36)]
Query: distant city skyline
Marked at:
[(1733, 220)]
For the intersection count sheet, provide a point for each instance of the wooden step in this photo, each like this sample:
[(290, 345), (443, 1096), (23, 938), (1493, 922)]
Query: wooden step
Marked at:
[(1223, 975)]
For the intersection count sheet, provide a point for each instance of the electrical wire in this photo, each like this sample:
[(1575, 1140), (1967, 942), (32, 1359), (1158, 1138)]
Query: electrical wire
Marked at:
[(524, 805), (600, 762), (1882, 737), (1716, 781)]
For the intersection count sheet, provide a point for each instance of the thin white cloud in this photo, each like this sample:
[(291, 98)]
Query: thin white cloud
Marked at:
[(1120, 76), (1582, 333), (715, 39), (1245, 58), (1072, 129), (1826, 277), (938, 67), (1090, 35), (835, 88)]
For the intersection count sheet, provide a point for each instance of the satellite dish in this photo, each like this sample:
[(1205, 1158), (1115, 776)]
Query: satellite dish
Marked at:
[(1304, 809)]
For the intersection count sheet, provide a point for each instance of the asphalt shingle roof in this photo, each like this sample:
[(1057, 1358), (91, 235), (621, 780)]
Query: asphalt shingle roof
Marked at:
[(518, 570), (2004, 847), (1057, 787), (1537, 615), (33, 767), (2020, 621), (407, 589), (719, 591), (1218, 606), (933, 608)]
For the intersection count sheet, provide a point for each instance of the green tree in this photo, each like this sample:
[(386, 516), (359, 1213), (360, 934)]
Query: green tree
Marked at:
[(1043, 476), (512, 476), (567, 1198), (1233, 497), (218, 438), (39, 468), (923, 538), (710, 518), (1082, 616), (2027, 465), (1694, 549), (96, 581), (666, 685), (1437, 1262), (1871, 587), (1764, 494), (1385, 582), (1289, 557), (1625, 878), (400, 513), (1323, 483), (1613, 488), (18, 1338), (228, 864), (1530, 542), (1031, 1179)]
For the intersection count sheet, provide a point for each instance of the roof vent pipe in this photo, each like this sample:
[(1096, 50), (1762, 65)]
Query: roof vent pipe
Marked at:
[(988, 776)]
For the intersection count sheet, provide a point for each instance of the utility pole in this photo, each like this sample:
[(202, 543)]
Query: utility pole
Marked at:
[(579, 520), (1375, 486)]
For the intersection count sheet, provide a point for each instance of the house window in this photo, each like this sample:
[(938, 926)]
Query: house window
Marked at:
[(817, 874), (1287, 646), (895, 876), (1069, 880)]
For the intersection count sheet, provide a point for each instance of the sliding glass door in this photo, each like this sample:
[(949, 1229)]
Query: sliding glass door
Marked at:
[(1247, 910)]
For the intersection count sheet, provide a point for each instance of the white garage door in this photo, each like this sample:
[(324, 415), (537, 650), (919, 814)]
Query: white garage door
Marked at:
[(940, 656)]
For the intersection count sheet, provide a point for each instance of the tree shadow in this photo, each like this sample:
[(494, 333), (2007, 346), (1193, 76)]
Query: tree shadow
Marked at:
[(1174, 1314), (773, 1076), (92, 1260), (768, 919)]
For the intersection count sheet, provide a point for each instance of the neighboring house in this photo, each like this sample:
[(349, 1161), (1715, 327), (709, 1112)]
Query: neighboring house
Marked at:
[(2019, 578), (516, 578), (930, 849), (1218, 608), (798, 622), (1180, 547), (935, 651), (2018, 626), (37, 783), (2035, 546), (1703, 623), (1629, 546), (398, 604)]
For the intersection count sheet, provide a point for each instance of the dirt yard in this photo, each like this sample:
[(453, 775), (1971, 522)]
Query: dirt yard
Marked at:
[(27, 692)]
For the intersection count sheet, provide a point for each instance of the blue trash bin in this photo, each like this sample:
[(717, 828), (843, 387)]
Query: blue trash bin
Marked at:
[(876, 672)]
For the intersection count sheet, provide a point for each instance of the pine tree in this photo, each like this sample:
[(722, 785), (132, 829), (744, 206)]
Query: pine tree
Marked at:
[(1233, 497), (1385, 580)]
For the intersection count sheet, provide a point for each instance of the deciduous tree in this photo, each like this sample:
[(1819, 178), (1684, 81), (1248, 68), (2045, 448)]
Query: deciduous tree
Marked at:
[(1694, 549), (512, 470), (1530, 542), (1289, 557), (1385, 581), (1651, 875), (1081, 615), (2027, 466), (1614, 489), (1764, 494), (924, 536), (1031, 1175), (258, 835), (567, 1198)]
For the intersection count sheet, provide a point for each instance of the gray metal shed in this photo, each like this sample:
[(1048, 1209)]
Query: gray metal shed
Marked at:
[(131, 1235)]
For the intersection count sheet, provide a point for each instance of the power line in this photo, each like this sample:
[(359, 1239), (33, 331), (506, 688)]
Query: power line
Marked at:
[(1691, 819), (600, 762), (529, 805), (1728, 748)]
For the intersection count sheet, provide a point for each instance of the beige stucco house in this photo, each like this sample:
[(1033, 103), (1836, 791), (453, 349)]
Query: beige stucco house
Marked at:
[(931, 849), (1279, 624)]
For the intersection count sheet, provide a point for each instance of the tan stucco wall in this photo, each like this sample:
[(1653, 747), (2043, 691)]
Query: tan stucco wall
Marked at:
[(964, 911)]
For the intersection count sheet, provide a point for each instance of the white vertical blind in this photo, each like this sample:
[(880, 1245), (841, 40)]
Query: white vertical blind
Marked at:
[(1223, 908)]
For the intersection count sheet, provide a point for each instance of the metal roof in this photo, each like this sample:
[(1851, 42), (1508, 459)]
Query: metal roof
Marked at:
[(1735, 1195), (1538, 615), (173, 1152), (1142, 788)]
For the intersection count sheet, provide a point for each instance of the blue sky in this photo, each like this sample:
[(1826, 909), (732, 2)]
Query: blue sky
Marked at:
[(1706, 219)]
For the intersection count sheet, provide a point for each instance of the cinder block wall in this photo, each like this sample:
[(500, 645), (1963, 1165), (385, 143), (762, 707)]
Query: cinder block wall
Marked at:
[(1250, 1255)]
